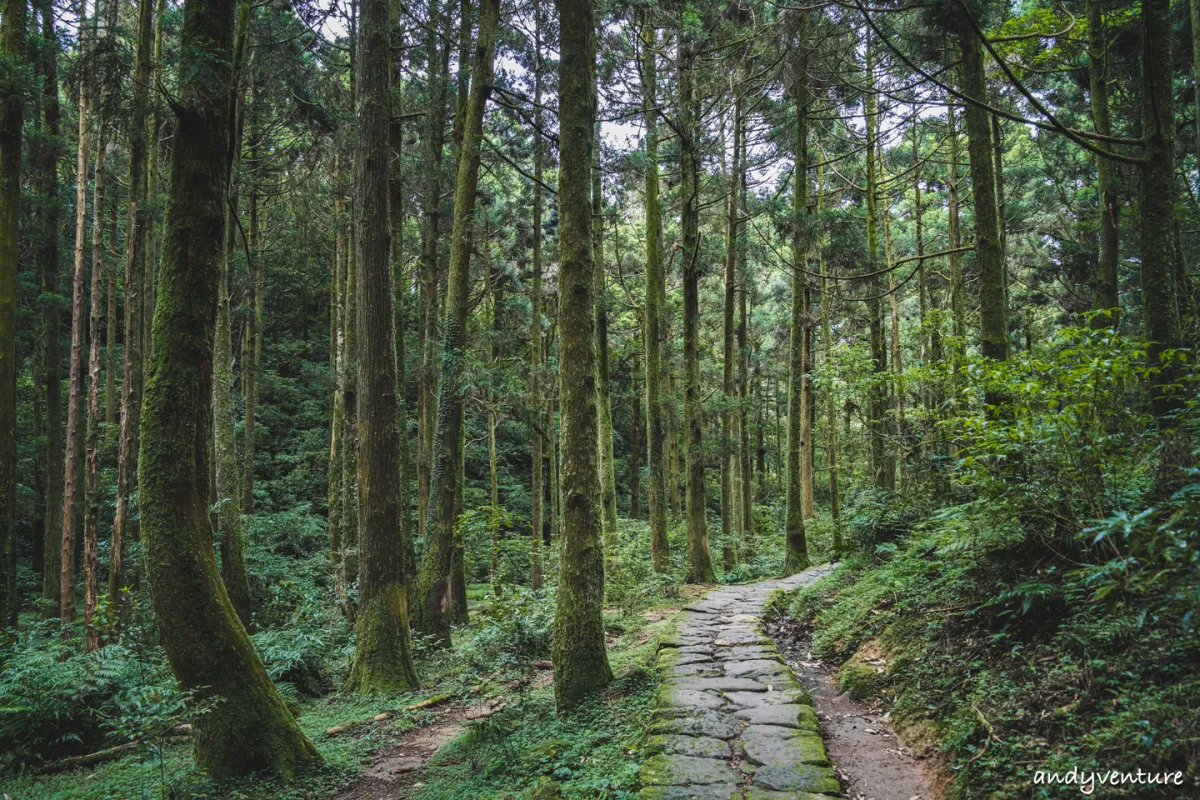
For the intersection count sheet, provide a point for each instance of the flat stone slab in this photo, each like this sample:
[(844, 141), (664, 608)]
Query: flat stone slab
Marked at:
[(798, 777), (758, 699), (706, 669), (750, 651), (720, 684), (764, 747), (670, 697), (710, 792), (741, 637), (670, 770), (682, 640), (672, 658), (759, 793), (701, 649), (701, 723), (786, 716), (756, 668), (697, 746)]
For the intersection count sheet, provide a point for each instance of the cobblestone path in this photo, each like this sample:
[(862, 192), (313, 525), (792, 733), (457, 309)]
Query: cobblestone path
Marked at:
[(731, 721)]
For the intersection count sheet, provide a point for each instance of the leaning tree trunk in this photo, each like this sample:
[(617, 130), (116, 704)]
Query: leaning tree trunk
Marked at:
[(700, 569), (13, 16), (251, 729), (382, 661), (435, 612), (580, 660), (795, 541), (660, 549)]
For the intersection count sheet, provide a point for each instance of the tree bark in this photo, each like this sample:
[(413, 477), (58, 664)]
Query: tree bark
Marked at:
[(608, 480), (13, 17), (660, 549), (1159, 290), (883, 465), (580, 660), (382, 661), (730, 527), (251, 729), (993, 314), (537, 489), (1105, 294), (435, 592), (795, 541)]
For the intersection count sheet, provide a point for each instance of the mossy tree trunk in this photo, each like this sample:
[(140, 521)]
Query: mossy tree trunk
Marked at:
[(578, 651), (660, 549), (13, 17), (989, 257), (251, 728), (795, 541), (435, 588), (382, 661)]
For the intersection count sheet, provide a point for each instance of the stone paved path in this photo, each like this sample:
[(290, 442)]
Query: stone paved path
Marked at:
[(731, 721)]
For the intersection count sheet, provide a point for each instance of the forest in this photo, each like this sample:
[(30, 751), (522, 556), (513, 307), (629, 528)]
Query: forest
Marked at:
[(661, 399)]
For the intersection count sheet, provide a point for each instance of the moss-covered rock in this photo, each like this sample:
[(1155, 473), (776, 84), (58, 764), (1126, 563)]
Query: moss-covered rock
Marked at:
[(673, 770)]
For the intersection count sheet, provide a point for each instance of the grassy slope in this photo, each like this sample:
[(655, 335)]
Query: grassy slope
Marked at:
[(1014, 679)]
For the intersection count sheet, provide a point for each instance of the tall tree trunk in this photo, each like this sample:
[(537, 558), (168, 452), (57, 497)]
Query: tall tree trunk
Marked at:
[(91, 511), (993, 314), (578, 651), (337, 293), (251, 342), (434, 139), (13, 17), (73, 490), (795, 541), (883, 466), (730, 526), (1159, 290), (435, 592), (400, 291), (229, 514), (494, 282), (831, 447), (958, 313), (350, 440), (660, 549), (45, 161), (382, 661), (137, 228), (537, 489), (894, 304), (635, 443), (745, 479), (1105, 294), (608, 480), (252, 730), (700, 569)]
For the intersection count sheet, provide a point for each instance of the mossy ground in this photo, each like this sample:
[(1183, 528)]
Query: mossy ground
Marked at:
[(590, 752)]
